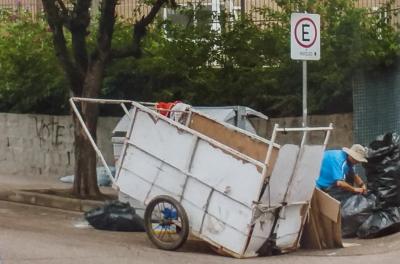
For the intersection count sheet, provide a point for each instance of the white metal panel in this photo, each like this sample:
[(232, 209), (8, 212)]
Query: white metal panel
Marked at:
[(283, 170), (124, 123), (132, 185), (170, 179), (289, 226), (248, 126), (306, 172), (194, 214), (161, 139), (230, 212), (220, 114), (157, 191), (196, 193), (140, 163), (223, 234), (228, 174)]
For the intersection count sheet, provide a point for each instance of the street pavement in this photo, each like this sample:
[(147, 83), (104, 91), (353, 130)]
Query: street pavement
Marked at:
[(34, 234)]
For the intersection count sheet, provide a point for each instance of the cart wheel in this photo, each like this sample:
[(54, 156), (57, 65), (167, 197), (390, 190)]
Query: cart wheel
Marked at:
[(166, 223)]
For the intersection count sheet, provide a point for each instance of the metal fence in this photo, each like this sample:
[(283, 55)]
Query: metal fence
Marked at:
[(376, 108), (136, 8)]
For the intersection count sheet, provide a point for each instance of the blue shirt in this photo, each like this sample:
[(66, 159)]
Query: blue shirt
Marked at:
[(334, 168)]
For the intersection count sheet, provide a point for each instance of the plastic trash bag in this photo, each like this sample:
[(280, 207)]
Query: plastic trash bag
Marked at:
[(383, 176), (382, 222), (383, 169), (382, 147), (355, 210), (102, 177), (115, 216)]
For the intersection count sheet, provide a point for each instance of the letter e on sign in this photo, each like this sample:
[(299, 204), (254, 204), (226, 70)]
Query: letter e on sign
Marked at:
[(305, 36)]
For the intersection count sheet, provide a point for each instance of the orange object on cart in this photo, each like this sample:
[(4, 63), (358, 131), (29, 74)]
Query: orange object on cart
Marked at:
[(164, 108)]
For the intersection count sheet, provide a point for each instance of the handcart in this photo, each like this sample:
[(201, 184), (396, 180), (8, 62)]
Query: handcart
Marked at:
[(241, 193)]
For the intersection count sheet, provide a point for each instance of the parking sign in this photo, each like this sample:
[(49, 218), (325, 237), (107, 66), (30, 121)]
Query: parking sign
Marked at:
[(305, 36)]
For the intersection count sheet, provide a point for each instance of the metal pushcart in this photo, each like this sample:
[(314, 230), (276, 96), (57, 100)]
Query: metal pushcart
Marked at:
[(235, 190)]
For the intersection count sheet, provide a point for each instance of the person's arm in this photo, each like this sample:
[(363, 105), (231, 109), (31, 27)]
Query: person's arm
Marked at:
[(344, 185), (360, 183)]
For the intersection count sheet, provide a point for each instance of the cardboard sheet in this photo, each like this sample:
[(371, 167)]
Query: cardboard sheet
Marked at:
[(323, 226)]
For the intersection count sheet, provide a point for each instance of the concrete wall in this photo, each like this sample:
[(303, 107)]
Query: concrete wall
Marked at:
[(342, 134), (42, 145)]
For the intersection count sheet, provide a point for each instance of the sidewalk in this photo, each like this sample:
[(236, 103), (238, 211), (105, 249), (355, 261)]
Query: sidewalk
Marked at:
[(30, 191)]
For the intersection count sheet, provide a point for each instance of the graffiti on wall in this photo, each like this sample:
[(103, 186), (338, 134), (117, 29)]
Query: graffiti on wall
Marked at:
[(40, 144), (52, 132)]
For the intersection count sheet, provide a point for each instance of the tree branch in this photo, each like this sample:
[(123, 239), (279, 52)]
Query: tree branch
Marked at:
[(80, 22), (140, 30), (106, 29), (64, 13), (63, 8), (56, 21), (140, 27)]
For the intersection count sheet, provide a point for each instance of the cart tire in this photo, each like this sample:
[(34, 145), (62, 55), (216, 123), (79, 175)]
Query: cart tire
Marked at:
[(178, 231)]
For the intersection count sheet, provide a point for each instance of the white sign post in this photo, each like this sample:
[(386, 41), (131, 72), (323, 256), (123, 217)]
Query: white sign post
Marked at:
[(305, 45)]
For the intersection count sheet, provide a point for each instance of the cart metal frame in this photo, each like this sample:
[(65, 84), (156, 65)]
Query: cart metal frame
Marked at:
[(255, 231)]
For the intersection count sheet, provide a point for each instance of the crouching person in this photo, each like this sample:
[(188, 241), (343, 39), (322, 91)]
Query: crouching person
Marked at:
[(337, 176)]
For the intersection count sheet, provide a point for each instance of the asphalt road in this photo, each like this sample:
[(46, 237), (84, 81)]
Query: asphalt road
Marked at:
[(31, 234)]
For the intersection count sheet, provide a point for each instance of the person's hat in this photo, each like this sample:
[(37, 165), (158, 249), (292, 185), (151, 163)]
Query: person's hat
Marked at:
[(357, 152)]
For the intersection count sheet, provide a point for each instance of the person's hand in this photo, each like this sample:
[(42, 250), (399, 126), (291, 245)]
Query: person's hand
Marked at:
[(364, 187), (359, 190)]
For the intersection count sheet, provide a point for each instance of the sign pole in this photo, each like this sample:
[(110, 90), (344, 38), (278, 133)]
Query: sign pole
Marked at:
[(305, 45), (304, 93)]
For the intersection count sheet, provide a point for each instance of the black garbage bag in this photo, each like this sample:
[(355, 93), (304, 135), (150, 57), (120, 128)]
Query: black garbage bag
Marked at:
[(382, 147), (383, 169), (387, 187), (382, 222), (115, 216), (355, 210)]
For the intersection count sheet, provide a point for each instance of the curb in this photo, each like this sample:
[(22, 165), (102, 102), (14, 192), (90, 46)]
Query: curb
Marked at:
[(47, 200)]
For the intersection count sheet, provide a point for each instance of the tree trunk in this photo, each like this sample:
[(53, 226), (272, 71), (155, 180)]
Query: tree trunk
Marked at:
[(85, 183)]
